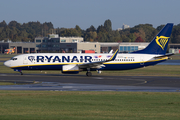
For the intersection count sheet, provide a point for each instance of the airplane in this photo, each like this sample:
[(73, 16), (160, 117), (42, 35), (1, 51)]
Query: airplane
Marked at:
[(73, 63)]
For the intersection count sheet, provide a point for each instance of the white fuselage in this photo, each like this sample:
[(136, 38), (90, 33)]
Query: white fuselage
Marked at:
[(55, 61)]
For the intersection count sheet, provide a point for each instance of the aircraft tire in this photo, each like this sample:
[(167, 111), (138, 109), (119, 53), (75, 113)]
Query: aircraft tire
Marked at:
[(88, 74)]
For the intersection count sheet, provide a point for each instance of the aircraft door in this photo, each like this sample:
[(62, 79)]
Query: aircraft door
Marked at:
[(141, 60), (25, 60)]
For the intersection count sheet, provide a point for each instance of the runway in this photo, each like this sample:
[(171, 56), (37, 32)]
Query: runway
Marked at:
[(63, 82)]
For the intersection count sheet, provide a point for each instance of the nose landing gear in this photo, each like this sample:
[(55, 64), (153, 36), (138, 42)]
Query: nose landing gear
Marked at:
[(18, 71)]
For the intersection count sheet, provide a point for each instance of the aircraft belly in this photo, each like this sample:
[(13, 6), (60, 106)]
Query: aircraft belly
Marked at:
[(121, 66), (40, 67)]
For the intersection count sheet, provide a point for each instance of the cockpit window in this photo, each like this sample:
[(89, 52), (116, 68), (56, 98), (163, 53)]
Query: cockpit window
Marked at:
[(13, 58)]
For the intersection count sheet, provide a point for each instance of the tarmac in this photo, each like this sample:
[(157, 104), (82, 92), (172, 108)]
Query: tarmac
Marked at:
[(61, 82)]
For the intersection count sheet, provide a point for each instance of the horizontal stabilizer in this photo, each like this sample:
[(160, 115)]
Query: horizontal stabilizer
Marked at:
[(166, 55)]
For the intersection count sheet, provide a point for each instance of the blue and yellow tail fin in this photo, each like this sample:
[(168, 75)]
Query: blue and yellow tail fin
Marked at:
[(160, 43)]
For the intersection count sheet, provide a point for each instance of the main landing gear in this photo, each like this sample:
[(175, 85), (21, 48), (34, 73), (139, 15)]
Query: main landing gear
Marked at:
[(21, 73), (88, 73)]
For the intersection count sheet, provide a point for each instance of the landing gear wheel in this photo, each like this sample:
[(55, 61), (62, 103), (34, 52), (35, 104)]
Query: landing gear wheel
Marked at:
[(21, 73), (88, 74)]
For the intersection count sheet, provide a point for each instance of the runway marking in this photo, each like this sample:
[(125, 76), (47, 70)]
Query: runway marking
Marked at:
[(98, 77), (67, 87), (3, 74), (142, 81)]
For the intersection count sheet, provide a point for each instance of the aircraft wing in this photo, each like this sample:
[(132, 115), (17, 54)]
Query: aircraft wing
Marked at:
[(98, 64), (166, 55)]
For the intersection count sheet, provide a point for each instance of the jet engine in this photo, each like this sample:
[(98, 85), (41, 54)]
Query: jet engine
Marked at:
[(70, 69)]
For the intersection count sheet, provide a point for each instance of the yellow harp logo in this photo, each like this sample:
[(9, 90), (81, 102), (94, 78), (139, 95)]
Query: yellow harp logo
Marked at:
[(161, 41)]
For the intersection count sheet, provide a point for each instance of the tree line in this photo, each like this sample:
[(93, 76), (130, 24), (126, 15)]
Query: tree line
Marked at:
[(26, 32)]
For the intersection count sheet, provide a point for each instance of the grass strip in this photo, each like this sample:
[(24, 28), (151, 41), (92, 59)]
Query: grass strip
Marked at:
[(7, 83), (7, 56), (68, 105)]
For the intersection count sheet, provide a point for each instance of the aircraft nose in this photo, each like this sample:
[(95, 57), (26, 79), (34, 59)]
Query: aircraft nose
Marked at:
[(7, 63)]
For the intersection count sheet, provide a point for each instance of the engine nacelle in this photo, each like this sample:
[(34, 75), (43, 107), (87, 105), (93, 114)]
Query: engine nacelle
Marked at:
[(70, 69), (99, 72)]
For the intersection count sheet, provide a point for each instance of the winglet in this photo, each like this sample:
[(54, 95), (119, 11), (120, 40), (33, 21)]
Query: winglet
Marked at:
[(114, 55)]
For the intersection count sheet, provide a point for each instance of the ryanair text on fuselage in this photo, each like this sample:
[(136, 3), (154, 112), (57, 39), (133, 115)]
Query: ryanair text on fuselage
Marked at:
[(61, 59)]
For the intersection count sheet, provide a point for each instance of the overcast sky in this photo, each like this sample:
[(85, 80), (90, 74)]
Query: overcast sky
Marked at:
[(69, 13)]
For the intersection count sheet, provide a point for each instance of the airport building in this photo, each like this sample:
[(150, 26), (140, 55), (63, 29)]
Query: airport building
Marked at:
[(124, 47), (23, 47), (20, 47), (55, 44), (51, 44), (65, 44), (174, 48)]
